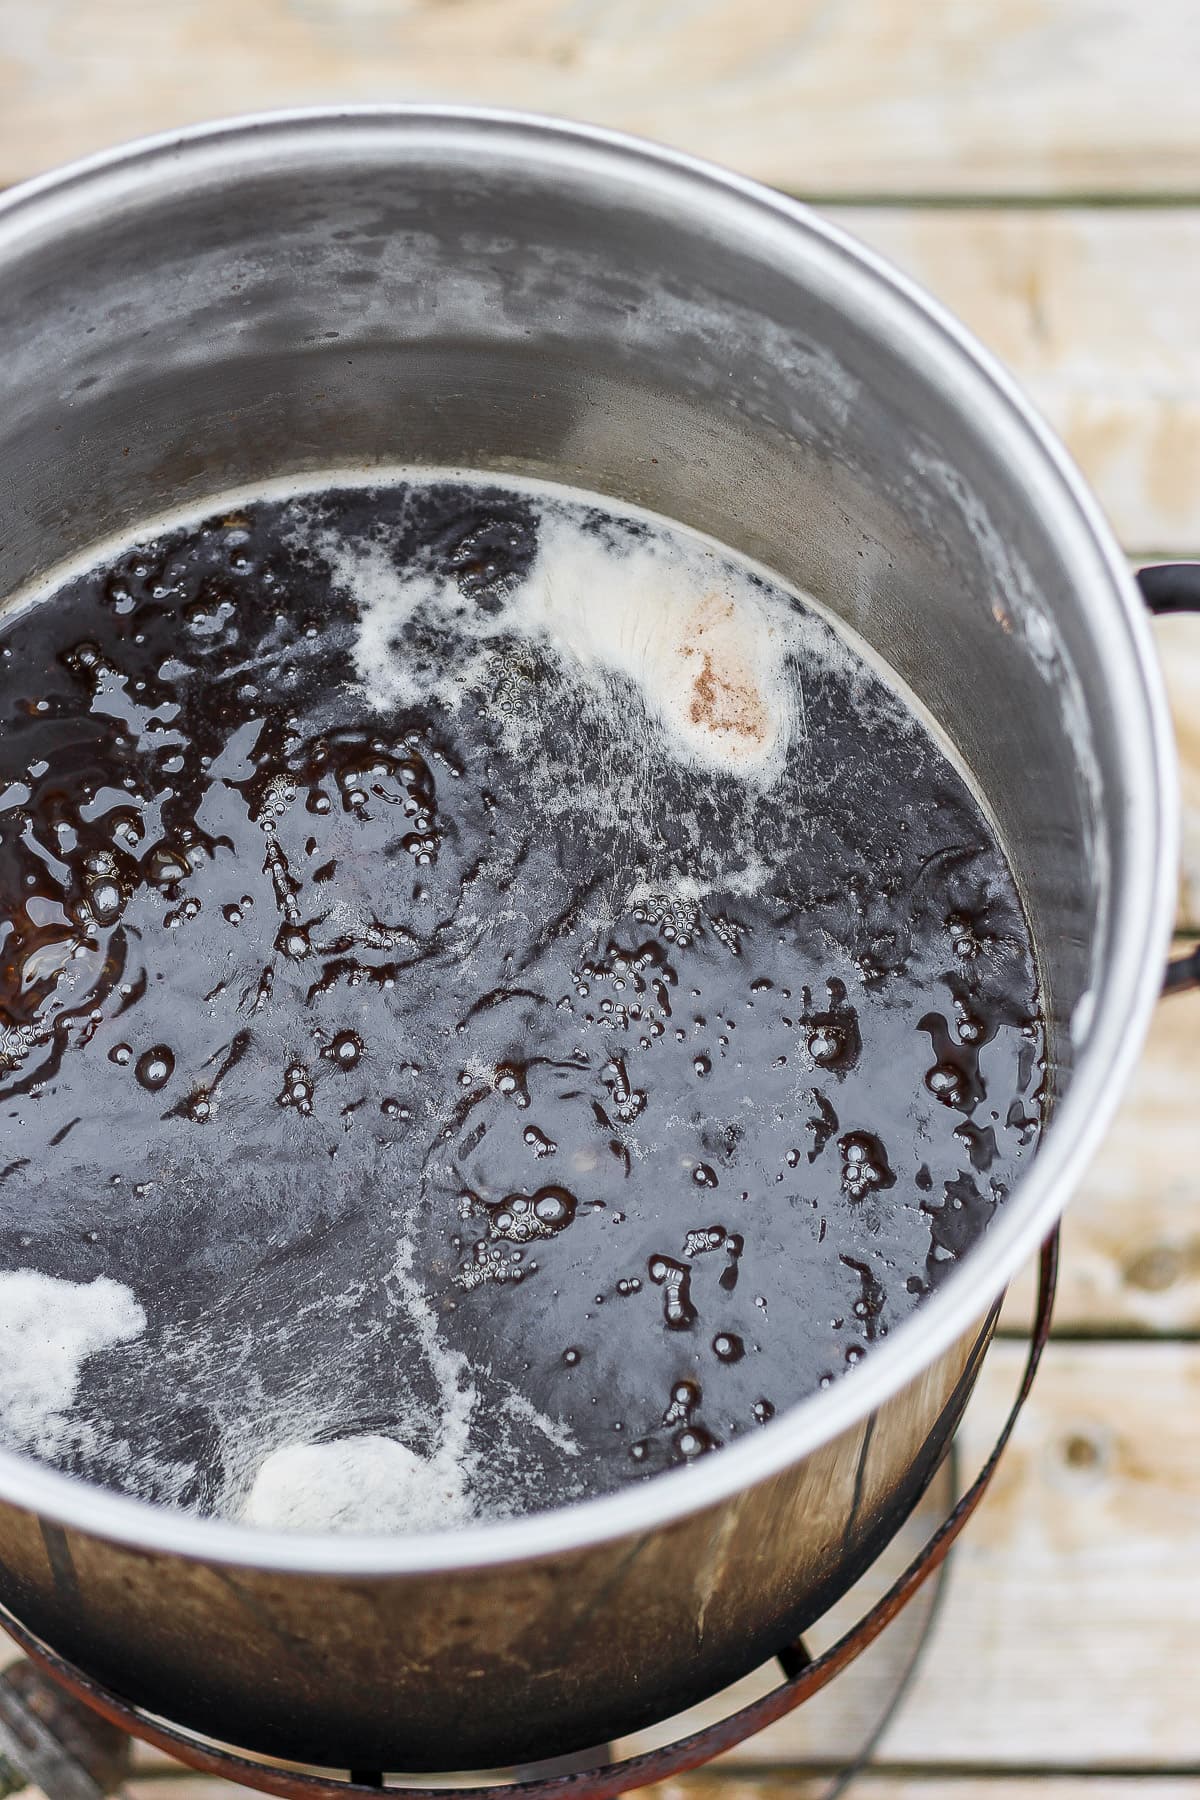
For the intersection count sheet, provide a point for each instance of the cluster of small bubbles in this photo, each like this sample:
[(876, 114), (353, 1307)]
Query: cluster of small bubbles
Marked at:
[(520, 1217), (345, 1050), (181, 915), (704, 1176), (685, 1398), (627, 1101), (297, 1088), (728, 1346), (763, 1410), (538, 1142), (491, 1262), (422, 846), (629, 1284), (963, 939), (968, 1029), (84, 660), (708, 1237), (393, 1109), (155, 1067), (104, 895), (674, 1279), (864, 1165)]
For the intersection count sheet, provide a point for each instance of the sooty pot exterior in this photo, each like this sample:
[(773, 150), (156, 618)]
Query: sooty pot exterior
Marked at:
[(484, 1667)]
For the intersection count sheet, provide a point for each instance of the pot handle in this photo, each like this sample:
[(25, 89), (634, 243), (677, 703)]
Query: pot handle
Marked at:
[(1174, 587)]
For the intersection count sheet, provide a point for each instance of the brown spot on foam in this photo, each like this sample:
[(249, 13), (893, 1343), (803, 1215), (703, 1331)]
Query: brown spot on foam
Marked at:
[(723, 705), (725, 697)]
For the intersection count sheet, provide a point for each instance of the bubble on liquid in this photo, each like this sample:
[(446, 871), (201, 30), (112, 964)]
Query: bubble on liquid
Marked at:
[(945, 1083), (702, 1065), (864, 1164), (709, 1237), (694, 1441), (510, 1081), (826, 1043), (293, 942), (167, 865), (571, 1356), (344, 1050), (685, 1398), (297, 1088), (963, 939), (121, 1054), (519, 1217), (155, 1067), (675, 1280), (728, 1347), (763, 1410), (704, 1176)]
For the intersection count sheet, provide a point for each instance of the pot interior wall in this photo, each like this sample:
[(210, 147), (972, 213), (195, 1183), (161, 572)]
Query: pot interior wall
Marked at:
[(173, 330)]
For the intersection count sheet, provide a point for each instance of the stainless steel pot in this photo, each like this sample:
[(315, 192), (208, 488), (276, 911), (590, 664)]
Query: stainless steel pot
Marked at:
[(450, 287)]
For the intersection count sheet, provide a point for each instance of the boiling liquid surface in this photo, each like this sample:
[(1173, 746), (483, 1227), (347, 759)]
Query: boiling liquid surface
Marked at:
[(498, 1000)]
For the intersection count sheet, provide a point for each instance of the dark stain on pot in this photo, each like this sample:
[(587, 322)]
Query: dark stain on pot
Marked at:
[(469, 1038)]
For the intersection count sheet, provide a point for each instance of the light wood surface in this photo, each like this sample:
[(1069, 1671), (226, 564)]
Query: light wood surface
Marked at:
[(1063, 1664), (1096, 311), (977, 97), (1131, 1236)]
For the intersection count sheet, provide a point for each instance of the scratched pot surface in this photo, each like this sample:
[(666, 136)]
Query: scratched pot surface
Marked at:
[(439, 1007)]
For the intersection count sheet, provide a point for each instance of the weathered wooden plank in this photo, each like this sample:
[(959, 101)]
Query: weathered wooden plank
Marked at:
[(1131, 1237), (866, 96)]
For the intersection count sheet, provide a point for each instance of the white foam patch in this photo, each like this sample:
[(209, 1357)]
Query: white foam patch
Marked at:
[(704, 645), (48, 1329), (562, 1439), (359, 1484)]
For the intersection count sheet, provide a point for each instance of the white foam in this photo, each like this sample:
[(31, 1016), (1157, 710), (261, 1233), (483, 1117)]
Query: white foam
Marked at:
[(563, 1440), (48, 1329), (358, 1484), (703, 644)]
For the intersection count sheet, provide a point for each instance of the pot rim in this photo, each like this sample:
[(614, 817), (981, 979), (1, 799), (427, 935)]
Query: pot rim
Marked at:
[(1142, 919)]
